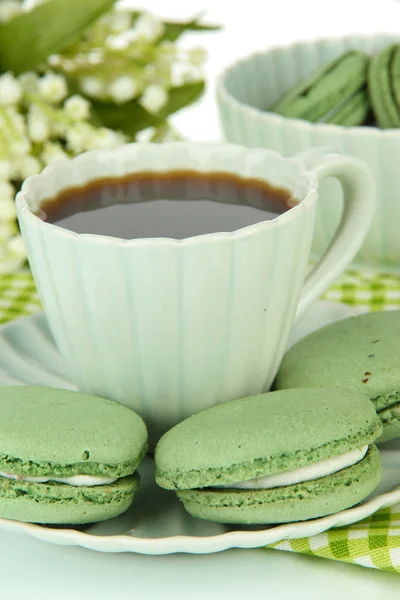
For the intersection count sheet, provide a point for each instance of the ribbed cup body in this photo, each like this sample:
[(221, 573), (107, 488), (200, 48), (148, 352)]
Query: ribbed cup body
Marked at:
[(170, 327)]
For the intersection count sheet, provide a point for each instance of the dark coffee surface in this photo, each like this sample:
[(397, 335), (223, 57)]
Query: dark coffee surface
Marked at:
[(175, 204)]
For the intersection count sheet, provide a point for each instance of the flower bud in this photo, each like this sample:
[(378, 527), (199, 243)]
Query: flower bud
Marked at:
[(123, 89), (28, 165), (92, 86), (53, 88), (38, 125), (10, 90), (148, 26), (77, 108), (154, 98), (8, 211)]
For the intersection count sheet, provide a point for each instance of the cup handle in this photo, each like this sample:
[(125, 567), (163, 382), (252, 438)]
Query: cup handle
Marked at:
[(359, 202)]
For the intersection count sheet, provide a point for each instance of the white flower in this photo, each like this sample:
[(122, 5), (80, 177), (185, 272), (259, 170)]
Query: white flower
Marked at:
[(79, 137), (8, 210), (145, 135), (154, 98), (6, 169), (167, 54), (120, 21), (29, 81), (92, 86), (9, 263), (168, 47), (197, 55), (123, 89), (77, 108), (52, 153), (20, 147), (165, 133), (18, 122), (8, 9), (185, 73), (69, 64), (104, 138), (121, 40), (116, 21), (16, 247), (95, 57), (149, 27), (7, 230), (10, 90), (38, 124), (54, 60), (27, 166), (7, 191), (191, 74), (53, 88), (59, 127)]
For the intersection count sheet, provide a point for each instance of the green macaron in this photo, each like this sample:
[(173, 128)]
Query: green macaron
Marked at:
[(361, 354), (66, 457), (335, 93), (384, 87), (279, 457)]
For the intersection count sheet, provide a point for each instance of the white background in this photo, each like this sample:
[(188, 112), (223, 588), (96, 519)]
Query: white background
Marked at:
[(32, 569), (251, 25)]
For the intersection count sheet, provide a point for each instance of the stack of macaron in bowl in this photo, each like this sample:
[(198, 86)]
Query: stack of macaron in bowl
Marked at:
[(341, 93), (352, 90)]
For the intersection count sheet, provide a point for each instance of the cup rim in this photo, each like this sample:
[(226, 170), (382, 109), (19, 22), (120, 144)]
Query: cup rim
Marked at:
[(26, 214), (264, 116)]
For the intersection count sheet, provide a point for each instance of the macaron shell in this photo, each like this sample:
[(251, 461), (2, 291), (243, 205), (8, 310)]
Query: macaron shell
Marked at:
[(61, 503), (264, 434), (380, 89), (359, 354), (325, 89), (299, 502), (353, 112), (44, 428)]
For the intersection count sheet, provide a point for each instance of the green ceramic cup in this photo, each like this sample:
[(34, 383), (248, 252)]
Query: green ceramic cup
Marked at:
[(249, 86)]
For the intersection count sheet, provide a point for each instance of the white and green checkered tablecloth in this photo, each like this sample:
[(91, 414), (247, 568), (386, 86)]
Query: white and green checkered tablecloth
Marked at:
[(374, 542), (18, 296)]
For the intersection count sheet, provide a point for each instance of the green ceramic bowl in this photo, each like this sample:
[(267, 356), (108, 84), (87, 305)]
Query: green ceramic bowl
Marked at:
[(247, 88)]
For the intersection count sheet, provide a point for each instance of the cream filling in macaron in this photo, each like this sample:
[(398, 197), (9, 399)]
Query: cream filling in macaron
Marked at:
[(317, 470), (76, 480)]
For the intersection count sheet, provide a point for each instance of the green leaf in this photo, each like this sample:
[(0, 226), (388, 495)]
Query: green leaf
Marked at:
[(30, 37), (132, 118), (173, 30)]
